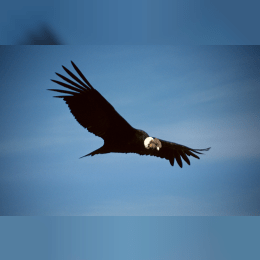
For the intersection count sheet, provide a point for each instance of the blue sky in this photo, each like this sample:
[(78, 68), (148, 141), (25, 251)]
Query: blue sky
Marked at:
[(196, 96), (131, 22), (83, 238)]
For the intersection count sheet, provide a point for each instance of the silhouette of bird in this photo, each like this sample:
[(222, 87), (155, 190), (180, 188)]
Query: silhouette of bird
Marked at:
[(96, 114)]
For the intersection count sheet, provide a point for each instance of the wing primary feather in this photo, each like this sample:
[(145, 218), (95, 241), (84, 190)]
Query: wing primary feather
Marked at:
[(75, 77), (66, 85), (178, 159), (206, 149), (172, 161), (199, 150), (81, 74), (195, 151), (63, 91), (185, 158), (71, 82), (192, 154)]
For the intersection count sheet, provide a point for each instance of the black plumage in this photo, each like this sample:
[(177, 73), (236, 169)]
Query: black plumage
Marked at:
[(96, 114)]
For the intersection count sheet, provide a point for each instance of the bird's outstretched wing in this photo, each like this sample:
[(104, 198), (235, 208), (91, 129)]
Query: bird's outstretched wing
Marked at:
[(173, 151), (90, 108)]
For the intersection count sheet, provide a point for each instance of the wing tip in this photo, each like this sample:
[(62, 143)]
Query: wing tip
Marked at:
[(203, 150), (85, 155)]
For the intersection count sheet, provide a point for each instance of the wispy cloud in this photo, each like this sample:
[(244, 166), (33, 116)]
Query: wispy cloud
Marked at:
[(167, 205), (58, 131), (229, 137), (222, 202)]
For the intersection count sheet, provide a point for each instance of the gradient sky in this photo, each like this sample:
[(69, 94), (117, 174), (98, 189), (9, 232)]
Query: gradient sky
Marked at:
[(131, 22), (138, 238), (196, 96)]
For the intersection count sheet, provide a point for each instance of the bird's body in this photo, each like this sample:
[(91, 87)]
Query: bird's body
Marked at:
[(96, 114), (131, 143)]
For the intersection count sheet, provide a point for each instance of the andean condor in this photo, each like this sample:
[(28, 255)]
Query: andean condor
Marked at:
[(96, 114)]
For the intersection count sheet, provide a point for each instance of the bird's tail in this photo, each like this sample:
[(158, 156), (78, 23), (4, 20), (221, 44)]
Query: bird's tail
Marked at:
[(98, 151)]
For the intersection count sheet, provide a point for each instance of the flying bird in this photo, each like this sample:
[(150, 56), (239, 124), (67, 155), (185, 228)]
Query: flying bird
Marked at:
[(96, 114)]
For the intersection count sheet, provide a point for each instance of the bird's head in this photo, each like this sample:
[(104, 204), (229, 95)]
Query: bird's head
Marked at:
[(152, 143)]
